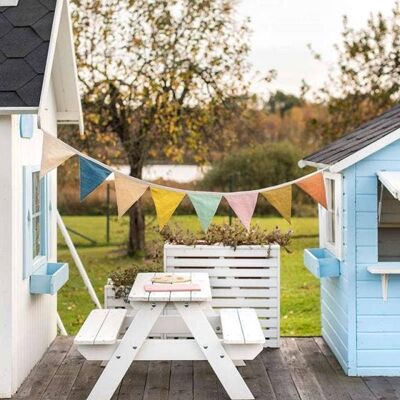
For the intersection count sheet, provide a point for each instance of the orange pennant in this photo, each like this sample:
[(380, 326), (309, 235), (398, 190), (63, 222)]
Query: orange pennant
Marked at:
[(314, 186)]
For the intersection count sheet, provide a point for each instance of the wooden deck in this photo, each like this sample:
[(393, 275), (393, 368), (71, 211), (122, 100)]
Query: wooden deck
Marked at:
[(301, 369)]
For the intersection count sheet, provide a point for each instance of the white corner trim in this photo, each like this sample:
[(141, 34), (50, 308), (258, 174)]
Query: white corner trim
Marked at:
[(366, 151)]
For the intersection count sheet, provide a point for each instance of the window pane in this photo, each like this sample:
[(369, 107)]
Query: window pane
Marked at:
[(36, 236), (331, 211), (36, 217), (36, 192)]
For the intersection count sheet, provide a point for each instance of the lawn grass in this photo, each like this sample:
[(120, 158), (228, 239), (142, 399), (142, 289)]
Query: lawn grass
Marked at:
[(300, 306)]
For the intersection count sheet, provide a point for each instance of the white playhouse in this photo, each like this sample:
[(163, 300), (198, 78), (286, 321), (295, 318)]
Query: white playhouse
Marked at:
[(38, 91)]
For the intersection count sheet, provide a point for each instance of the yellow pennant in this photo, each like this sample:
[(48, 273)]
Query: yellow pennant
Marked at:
[(54, 153), (128, 192), (281, 200), (166, 202)]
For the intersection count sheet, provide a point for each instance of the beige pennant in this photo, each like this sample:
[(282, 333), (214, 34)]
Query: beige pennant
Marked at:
[(128, 192), (281, 200), (54, 153)]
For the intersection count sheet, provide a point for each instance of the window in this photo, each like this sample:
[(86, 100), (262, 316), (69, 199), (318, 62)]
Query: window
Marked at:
[(388, 225), (331, 218), (35, 220)]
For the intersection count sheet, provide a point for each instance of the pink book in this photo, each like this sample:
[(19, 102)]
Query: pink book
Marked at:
[(168, 287)]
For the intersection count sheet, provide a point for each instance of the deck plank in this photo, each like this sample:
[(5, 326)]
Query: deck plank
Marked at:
[(381, 388), (205, 383), (181, 383), (41, 376), (63, 380), (323, 372), (158, 377), (306, 383), (258, 380), (355, 386), (279, 374), (86, 379), (134, 382)]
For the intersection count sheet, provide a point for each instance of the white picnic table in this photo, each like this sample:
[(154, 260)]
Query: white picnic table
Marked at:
[(192, 307)]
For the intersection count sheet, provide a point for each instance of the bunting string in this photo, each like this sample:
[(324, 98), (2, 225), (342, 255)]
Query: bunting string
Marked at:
[(166, 199)]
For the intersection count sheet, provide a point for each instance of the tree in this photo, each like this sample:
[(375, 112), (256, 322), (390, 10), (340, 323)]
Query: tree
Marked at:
[(366, 81), (280, 102), (156, 74)]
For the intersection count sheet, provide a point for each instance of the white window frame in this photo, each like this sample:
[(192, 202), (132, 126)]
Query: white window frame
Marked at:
[(324, 216), (32, 264)]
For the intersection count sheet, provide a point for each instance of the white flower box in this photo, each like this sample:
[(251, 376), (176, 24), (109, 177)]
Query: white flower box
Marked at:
[(245, 277)]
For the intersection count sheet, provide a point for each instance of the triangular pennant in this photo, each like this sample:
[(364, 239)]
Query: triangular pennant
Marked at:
[(314, 186), (281, 200), (243, 204), (206, 206), (128, 192), (166, 202), (92, 175), (54, 153)]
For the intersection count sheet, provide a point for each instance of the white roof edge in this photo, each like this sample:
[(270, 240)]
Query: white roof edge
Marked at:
[(58, 13), (357, 156), (366, 151), (391, 180), (305, 163)]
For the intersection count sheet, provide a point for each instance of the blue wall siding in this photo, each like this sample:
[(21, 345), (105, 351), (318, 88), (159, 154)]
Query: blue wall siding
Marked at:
[(378, 323), (337, 300)]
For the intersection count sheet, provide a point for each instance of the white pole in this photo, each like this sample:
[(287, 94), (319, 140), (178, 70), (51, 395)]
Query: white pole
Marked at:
[(77, 261), (61, 326)]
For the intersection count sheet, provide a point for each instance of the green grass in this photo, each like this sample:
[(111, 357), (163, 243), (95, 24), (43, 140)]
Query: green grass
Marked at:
[(300, 306)]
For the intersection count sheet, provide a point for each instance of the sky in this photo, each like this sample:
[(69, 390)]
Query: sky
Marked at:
[(283, 28)]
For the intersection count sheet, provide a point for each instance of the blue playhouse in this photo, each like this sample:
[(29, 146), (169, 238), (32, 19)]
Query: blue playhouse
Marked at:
[(358, 261)]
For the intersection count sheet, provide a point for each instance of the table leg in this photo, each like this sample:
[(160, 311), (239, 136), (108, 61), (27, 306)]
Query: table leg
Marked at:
[(213, 350), (116, 368)]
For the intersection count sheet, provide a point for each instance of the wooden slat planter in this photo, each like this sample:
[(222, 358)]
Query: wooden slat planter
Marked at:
[(245, 277)]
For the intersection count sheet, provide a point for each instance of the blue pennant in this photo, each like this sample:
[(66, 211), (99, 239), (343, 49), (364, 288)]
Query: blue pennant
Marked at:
[(92, 175)]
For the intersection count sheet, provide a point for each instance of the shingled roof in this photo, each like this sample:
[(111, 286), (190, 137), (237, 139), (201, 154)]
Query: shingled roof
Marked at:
[(24, 42), (358, 139)]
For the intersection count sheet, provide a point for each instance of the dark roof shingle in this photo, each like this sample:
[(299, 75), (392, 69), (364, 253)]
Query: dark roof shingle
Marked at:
[(24, 41), (356, 140)]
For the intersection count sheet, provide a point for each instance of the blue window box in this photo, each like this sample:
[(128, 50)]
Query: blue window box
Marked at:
[(321, 263), (49, 278)]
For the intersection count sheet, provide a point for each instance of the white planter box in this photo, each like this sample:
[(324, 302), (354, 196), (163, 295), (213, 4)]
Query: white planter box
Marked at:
[(245, 277), (248, 276)]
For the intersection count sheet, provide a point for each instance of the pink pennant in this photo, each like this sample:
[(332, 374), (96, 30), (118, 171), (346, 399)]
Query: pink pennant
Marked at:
[(243, 204)]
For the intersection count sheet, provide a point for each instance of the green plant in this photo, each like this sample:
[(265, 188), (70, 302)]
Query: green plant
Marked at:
[(122, 280), (228, 235)]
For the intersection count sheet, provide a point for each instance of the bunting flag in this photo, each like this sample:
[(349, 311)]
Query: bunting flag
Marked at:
[(281, 200), (54, 153), (314, 186), (128, 192), (166, 202), (243, 204), (92, 175), (206, 206)]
